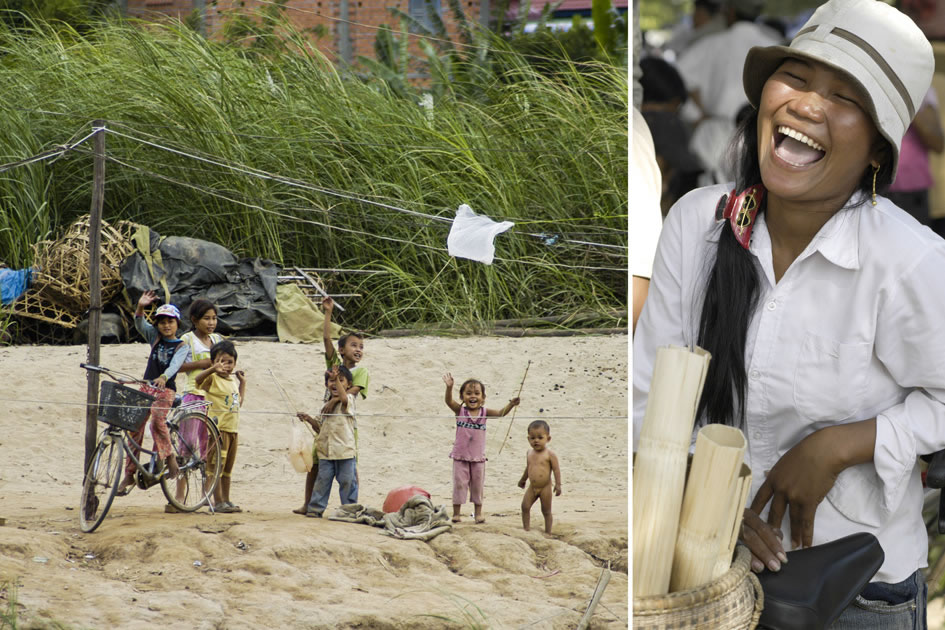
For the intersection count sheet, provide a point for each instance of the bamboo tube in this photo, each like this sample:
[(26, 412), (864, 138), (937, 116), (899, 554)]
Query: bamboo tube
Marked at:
[(733, 521), (659, 472), (712, 480)]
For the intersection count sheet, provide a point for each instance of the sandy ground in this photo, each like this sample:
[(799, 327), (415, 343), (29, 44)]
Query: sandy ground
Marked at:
[(269, 568)]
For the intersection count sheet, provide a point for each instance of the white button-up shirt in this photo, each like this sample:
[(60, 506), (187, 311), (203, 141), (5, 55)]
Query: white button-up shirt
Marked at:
[(855, 329)]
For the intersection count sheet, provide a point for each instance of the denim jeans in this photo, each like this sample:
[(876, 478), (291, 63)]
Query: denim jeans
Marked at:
[(883, 606), (345, 471)]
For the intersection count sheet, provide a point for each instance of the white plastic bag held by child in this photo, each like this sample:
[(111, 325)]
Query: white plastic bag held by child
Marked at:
[(300, 448)]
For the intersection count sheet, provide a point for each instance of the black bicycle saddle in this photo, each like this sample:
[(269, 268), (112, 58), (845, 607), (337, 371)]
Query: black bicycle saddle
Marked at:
[(817, 583)]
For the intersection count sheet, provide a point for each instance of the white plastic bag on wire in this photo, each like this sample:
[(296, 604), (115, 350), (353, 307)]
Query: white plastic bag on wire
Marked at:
[(300, 448), (472, 235)]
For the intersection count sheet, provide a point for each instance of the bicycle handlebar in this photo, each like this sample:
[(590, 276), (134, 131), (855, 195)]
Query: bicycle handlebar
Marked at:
[(119, 377)]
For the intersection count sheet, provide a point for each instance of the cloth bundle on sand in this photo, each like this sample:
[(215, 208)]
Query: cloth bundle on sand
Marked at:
[(417, 519), (298, 319)]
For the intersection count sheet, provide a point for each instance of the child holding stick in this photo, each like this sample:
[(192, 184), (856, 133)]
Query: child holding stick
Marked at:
[(469, 447), (540, 463)]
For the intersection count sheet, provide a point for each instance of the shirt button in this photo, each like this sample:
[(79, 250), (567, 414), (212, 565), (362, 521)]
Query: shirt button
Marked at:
[(756, 435), (755, 375), (772, 305)]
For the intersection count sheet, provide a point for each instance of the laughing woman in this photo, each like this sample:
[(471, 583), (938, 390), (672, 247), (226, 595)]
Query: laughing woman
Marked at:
[(821, 302)]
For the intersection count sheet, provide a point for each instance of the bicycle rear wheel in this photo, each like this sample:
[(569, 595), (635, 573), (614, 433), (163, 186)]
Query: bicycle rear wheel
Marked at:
[(196, 445), (101, 482)]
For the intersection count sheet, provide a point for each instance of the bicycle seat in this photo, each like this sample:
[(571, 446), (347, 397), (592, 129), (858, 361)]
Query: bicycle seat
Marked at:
[(817, 583)]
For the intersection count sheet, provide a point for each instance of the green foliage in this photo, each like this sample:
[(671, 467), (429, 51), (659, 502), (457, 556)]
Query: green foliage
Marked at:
[(610, 30), (8, 613), (470, 616), (267, 31), (7, 335), (656, 14), (548, 154), (78, 14), (552, 52)]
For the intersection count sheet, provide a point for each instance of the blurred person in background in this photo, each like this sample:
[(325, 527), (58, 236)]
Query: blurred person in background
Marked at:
[(646, 220), (663, 94), (712, 70), (910, 190), (706, 19)]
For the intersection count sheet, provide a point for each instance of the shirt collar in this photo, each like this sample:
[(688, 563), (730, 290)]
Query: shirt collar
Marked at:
[(838, 240)]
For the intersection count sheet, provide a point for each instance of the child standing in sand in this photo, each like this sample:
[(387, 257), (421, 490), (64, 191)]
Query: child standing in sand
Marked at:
[(469, 447), (336, 445), (195, 348), (349, 354), (540, 463), (226, 394), (163, 364)]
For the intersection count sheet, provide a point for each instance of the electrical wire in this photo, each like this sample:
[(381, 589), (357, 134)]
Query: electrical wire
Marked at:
[(327, 191), (282, 412), (46, 155)]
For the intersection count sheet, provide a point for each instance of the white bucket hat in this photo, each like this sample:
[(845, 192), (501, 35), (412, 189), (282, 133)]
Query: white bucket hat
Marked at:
[(881, 50)]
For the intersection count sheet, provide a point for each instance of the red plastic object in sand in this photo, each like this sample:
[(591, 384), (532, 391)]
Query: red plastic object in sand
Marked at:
[(398, 496)]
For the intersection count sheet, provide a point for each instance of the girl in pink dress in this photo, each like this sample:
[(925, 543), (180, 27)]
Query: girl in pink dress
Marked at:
[(469, 449)]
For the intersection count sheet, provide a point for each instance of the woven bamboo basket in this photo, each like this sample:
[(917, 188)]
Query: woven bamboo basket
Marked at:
[(732, 602), (61, 267)]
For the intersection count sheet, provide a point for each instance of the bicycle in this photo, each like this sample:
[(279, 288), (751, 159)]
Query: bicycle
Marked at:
[(125, 409)]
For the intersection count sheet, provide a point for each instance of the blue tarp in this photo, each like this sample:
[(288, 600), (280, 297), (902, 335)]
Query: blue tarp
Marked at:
[(13, 284)]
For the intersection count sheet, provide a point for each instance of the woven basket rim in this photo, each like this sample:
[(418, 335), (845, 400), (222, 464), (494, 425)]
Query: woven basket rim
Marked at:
[(705, 594)]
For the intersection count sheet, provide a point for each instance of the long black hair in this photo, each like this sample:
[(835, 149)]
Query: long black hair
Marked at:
[(733, 287)]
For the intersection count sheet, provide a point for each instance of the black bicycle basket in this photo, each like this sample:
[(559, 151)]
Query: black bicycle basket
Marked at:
[(123, 406)]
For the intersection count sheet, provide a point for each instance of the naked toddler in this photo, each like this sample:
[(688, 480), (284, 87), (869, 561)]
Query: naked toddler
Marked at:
[(540, 463)]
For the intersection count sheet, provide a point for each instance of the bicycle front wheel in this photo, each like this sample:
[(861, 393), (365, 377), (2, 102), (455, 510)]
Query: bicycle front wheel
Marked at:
[(101, 482), (196, 445)]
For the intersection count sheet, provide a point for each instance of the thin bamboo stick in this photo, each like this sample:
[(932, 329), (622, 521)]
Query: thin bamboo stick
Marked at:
[(660, 465), (602, 582), (719, 455)]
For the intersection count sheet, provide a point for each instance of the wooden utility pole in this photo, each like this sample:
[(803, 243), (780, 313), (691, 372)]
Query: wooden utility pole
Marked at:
[(95, 288)]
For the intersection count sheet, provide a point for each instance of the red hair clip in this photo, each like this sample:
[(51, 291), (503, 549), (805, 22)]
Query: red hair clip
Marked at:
[(741, 211)]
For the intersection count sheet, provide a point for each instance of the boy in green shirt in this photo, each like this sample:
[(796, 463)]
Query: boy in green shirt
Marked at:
[(349, 353)]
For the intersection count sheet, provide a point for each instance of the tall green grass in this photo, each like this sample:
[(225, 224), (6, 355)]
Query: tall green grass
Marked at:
[(550, 154)]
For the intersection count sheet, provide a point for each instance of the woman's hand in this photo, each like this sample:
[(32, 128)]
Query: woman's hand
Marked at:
[(801, 479), (763, 541)]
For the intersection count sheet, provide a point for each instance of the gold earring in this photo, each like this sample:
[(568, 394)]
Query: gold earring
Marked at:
[(875, 171)]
